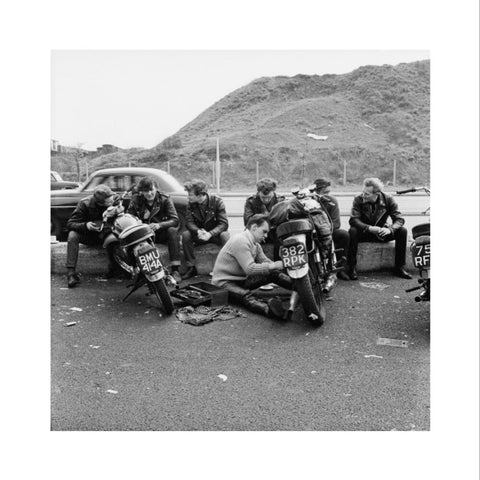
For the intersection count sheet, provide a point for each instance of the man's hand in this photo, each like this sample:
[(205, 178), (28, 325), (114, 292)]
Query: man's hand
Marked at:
[(383, 232), (374, 230), (92, 227), (204, 235), (278, 265), (154, 226)]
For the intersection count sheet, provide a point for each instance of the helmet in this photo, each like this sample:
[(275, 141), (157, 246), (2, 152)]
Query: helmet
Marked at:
[(124, 221)]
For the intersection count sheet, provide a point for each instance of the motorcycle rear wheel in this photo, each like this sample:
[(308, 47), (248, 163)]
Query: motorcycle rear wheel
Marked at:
[(122, 261), (312, 298), (163, 295)]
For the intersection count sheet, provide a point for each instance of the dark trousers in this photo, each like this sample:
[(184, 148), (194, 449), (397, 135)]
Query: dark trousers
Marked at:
[(170, 237), (90, 239), (400, 237), (341, 240), (190, 239), (241, 292)]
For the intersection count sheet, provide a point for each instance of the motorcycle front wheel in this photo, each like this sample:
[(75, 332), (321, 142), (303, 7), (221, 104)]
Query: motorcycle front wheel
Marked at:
[(312, 298), (163, 295)]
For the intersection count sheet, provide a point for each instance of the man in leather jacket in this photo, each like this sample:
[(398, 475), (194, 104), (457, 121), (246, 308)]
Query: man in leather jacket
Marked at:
[(157, 210), (368, 223), (206, 222), (262, 203), (340, 237), (84, 227)]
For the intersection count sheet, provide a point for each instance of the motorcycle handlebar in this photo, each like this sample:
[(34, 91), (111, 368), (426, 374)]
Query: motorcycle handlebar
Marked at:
[(408, 190)]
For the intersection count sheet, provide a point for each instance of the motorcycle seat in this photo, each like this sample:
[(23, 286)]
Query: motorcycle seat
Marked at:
[(302, 225), (135, 234), (421, 230)]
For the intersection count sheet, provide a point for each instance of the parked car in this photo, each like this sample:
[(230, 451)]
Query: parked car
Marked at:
[(63, 202), (57, 183)]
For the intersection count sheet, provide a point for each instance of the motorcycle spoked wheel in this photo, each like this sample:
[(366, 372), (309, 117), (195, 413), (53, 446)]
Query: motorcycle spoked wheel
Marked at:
[(162, 294), (121, 260), (311, 297)]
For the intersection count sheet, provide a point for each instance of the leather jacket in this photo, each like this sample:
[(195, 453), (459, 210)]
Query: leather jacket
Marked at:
[(162, 210), (364, 216), (87, 210), (214, 220), (253, 206)]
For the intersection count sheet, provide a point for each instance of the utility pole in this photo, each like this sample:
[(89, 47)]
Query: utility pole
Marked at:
[(218, 166), (256, 161), (394, 171), (344, 172)]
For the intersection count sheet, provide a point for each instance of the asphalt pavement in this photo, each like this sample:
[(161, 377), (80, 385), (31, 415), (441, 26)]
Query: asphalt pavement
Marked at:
[(127, 366)]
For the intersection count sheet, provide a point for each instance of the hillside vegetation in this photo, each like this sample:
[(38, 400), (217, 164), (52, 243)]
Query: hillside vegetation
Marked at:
[(371, 116)]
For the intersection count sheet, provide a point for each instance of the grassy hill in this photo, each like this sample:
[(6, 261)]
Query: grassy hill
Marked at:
[(371, 116)]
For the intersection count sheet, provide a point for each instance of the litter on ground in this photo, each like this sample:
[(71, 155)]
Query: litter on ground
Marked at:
[(392, 342), (222, 377), (76, 309), (374, 285), (372, 356), (112, 391), (70, 324)]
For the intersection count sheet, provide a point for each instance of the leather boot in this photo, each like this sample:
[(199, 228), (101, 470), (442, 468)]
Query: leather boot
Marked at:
[(255, 305)]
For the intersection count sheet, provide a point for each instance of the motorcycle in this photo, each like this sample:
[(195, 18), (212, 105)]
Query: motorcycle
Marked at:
[(134, 251), (420, 251), (306, 250)]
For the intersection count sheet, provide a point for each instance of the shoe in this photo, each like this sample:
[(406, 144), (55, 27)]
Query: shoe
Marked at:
[(352, 273), (73, 279), (275, 308), (401, 272), (191, 272), (176, 276), (343, 275)]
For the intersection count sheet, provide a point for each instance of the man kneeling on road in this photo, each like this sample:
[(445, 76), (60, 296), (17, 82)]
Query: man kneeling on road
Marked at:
[(84, 227), (242, 266)]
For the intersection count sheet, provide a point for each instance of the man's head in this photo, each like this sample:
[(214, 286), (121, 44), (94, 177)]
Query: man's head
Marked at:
[(322, 186), (147, 188), (371, 188), (197, 191), (259, 227), (266, 189), (103, 195)]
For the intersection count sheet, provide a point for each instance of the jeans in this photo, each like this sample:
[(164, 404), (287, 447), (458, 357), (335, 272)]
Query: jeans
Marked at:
[(90, 239), (190, 239), (172, 239), (400, 237), (341, 240)]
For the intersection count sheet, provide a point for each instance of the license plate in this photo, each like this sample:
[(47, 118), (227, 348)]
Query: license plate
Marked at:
[(421, 256), (149, 261), (294, 256)]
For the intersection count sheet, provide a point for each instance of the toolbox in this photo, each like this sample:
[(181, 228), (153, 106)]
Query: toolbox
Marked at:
[(202, 293)]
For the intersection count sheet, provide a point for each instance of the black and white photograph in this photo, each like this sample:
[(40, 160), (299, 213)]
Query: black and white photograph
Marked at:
[(237, 281), (244, 250)]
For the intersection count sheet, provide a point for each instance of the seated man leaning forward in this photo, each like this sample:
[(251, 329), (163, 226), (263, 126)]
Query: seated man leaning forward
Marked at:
[(157, 209), (206, 222), (241, 267), (368, 223), (84, 227)]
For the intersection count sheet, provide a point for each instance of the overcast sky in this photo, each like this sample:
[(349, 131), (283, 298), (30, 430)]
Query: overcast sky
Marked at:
[(138, 98)]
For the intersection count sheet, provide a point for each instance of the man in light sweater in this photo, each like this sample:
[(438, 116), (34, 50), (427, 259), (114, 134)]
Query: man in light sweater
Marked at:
[(242, 266)]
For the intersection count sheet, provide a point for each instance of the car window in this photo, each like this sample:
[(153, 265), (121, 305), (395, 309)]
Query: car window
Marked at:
[(118, 183)]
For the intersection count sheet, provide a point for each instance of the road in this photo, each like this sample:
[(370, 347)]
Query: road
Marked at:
[(124, 366)]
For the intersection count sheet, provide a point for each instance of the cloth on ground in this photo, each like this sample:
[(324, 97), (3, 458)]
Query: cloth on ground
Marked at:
[(202, 314)]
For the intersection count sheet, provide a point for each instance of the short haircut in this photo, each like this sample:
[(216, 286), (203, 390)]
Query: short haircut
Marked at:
[(266, 184), (374, 182), (196, 186), (146, 184), (257, 219)]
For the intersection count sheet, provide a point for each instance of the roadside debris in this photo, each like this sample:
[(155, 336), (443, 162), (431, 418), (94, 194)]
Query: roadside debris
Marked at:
[(392, 342), (374, 285), (112, 391), (70, 324), (222, 377), (101, 279), (76, 309), (368, 126), (202, 314), (317, 137), (372, 356), (94, 346)]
